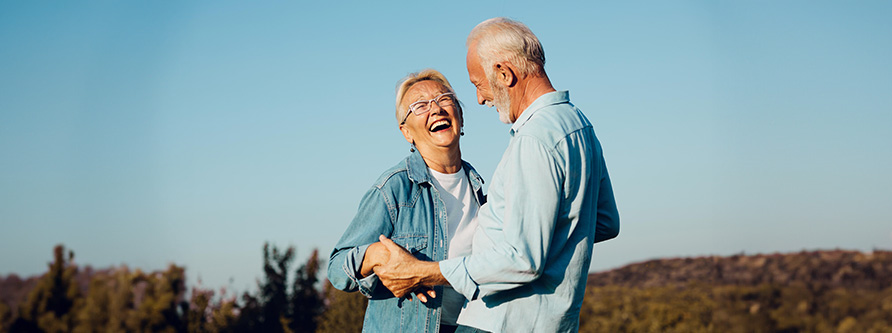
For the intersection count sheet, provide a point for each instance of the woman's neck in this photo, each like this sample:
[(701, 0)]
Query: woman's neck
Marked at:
[(445, 160)]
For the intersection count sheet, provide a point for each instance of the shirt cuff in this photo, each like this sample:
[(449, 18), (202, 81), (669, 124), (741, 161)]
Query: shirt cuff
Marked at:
[(353, 267), (455, 271)]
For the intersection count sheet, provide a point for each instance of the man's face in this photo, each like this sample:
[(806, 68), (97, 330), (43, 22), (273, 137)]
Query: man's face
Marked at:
[(489, 93)]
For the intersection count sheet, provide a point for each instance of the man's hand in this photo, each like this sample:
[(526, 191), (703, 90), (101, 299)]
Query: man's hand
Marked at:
[(403, 273), (375, 255)]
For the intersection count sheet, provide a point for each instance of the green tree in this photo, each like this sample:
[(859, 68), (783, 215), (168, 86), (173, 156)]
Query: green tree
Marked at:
[(159, 301), (344, 311), (306, 302), (50, 303), (280, 306), (199, 306), (5, 317), (119, 284), (93, 316), (250, 314), (274, 290), (207, 315)]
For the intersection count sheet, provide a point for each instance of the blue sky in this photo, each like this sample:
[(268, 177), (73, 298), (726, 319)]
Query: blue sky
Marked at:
[(145, 133)]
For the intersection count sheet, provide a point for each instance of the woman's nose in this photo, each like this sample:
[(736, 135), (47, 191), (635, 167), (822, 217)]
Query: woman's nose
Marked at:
[(436, 109)]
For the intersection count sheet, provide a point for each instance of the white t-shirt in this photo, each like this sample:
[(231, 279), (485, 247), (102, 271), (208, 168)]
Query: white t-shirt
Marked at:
[(461, 223)]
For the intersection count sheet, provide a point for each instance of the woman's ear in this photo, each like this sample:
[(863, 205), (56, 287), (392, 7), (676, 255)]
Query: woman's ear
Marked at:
[(406, 133), (461, 115)]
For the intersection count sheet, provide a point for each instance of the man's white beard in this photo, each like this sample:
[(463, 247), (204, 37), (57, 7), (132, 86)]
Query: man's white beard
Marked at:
[(502, 102)]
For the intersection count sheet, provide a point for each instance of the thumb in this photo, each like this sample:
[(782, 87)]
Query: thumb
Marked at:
[(389, 244)]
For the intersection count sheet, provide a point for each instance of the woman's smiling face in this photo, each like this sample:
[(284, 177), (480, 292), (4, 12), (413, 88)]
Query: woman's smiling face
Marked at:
[(440, 127)]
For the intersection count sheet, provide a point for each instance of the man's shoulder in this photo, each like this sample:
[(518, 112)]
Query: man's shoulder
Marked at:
[(552, 124)]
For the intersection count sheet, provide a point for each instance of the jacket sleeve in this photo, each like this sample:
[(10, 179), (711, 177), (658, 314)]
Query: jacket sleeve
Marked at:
[(374, 217)]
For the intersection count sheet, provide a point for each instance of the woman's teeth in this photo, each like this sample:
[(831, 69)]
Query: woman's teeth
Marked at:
[(439, 125)]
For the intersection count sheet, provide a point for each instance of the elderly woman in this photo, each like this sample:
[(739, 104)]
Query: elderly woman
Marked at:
[(426, 204)]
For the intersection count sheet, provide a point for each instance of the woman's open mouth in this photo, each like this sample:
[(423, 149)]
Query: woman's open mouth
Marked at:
[(440, 125)]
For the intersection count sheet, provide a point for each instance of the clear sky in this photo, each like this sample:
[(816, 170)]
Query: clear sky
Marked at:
[(151, 132)]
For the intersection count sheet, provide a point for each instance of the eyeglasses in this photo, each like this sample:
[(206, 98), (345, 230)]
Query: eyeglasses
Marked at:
[(421, 107)]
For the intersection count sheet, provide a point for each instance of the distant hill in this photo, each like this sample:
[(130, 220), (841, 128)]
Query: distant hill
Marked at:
[(831, 269), (809, 291)]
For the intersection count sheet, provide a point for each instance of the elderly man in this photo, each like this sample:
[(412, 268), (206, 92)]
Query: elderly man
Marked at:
[(550, 199)]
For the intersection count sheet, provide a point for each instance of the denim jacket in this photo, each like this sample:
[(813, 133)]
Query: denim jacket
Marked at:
[(404, 206)]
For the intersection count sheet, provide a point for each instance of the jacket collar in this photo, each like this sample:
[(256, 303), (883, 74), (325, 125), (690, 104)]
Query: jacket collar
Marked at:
[(416, 168), (417, 171)]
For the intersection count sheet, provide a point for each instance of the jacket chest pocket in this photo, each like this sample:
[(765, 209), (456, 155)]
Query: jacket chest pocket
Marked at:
[(414, 244)]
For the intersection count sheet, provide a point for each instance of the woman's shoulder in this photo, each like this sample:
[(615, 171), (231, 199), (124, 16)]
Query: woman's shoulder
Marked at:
[(397, 175), (471, 171)]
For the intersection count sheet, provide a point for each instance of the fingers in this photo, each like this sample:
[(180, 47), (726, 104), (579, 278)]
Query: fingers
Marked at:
[(423, 294)]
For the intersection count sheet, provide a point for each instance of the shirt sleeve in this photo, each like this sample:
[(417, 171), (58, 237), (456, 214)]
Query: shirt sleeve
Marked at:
[(513, 251), (373, 218), (607, 226)]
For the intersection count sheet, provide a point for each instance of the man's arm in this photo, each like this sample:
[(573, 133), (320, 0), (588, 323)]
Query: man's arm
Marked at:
[(608, 217), (514, 251), (511, 248)]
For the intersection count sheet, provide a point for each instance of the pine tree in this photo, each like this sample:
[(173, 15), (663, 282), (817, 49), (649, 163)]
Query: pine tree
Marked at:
[(274, 291), (49, 305), (306, 303), (278, 308)]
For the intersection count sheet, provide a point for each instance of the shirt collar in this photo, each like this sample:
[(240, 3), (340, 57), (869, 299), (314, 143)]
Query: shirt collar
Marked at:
[(554, 97)]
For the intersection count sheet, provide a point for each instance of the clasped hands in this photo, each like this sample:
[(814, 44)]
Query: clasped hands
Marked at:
[(400, 271)]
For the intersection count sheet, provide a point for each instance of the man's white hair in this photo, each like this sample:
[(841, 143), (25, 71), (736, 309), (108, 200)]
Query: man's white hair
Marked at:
[(502, 39)]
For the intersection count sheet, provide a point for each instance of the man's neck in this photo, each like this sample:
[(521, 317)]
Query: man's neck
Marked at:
[(531, 88)]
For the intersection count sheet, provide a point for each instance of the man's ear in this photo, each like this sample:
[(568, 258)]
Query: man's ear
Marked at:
[(505, 73), (406, 134)]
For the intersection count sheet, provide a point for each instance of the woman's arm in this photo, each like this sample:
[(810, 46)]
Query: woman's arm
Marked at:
[(350, 262)]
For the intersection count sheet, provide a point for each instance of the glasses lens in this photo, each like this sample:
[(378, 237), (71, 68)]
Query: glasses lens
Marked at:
[(420, 107), (445, 100)]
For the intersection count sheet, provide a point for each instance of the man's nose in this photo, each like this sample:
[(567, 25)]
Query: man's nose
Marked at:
[(480, 99)]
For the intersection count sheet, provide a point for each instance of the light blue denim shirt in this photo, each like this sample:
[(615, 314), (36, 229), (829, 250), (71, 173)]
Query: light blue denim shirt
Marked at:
[(404, 206), (550, 200)]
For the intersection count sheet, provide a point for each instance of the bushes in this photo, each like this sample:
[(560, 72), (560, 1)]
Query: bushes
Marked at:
[(700, 307), (823, 291), (121, 300)]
